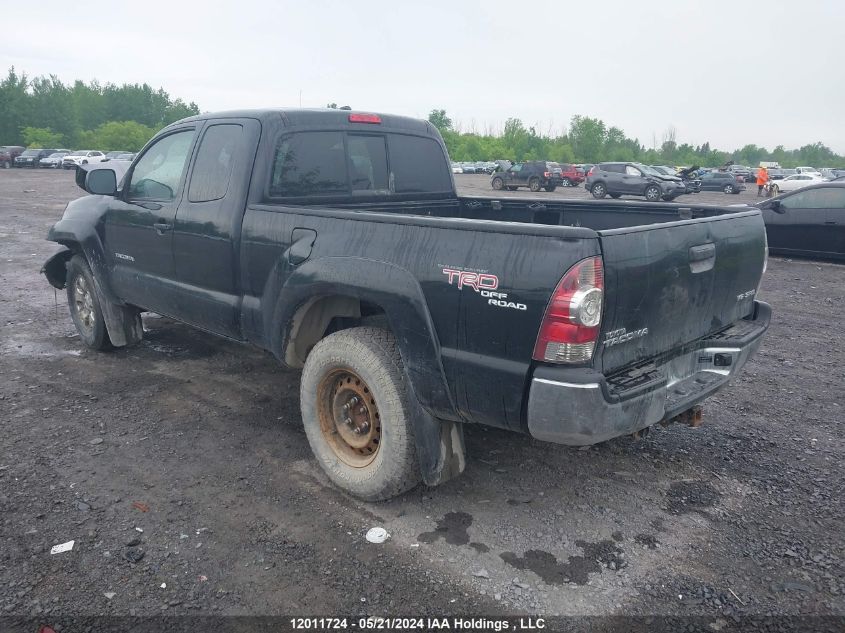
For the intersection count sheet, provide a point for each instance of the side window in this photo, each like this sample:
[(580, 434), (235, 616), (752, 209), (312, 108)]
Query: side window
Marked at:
[(159, 171), (309, 163), (632, 171), (824, 198), (367, 164), (417, 164), (516, 168), (214, 163)]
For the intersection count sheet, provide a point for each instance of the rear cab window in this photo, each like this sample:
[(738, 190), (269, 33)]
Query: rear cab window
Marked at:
[(336, 164)]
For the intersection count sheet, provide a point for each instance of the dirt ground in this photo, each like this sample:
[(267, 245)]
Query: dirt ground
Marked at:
[(180, 469)]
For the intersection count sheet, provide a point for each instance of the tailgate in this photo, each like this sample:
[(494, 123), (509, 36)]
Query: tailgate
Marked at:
[(672, 283)]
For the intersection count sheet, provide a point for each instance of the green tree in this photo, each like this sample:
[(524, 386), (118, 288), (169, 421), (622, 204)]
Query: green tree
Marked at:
[(41, 137), (440, 120), (587, 137), (116, 135), (13, 107)]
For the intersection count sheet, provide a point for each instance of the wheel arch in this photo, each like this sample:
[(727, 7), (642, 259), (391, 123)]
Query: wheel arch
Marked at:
[(333, 293)]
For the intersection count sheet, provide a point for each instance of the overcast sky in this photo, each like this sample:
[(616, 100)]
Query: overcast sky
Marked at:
[(731, 73)]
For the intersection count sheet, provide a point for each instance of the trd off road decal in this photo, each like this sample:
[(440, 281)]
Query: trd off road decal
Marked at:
[(484, 284)]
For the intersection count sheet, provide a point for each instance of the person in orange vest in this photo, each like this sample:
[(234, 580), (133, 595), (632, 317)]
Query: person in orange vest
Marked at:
[(762, 179)]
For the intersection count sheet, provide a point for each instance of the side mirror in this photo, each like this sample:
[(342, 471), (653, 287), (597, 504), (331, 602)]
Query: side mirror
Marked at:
[(101, 182)]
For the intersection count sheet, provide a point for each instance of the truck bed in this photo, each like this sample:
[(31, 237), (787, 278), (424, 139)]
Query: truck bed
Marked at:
[(599, 215)]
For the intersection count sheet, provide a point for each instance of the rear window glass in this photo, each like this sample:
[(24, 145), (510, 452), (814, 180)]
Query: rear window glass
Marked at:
[(367, 164), (418, 165), (327, 164), (308, 164)]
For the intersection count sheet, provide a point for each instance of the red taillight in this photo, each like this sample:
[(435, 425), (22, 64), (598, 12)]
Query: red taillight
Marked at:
[(364, 118), (547, 174), (592, 169), (571, 323)]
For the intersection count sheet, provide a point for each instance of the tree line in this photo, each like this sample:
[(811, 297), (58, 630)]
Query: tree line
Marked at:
[(590, 140), (45, 112)]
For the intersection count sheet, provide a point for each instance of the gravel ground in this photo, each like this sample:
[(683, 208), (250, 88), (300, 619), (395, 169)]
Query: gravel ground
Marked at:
[(180, 469)]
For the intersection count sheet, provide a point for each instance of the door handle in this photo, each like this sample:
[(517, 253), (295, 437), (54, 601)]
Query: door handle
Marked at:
[(162, 227)]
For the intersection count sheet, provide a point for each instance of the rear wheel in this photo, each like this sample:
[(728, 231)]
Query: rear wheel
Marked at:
[(653, 193), (566, 182), (497, 184), (534, 184), (728, 189), (598, 190), (550, 188), (355, 409), (85, 309)]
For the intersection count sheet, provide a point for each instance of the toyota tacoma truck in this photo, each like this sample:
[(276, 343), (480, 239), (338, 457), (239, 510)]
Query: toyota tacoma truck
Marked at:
[(336, 241)]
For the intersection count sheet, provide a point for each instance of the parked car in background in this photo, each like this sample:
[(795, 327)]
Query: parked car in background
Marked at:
[(82, 157), (32, 157), (114, 154), (689, 178), (633, 179), (534, 174), (807, 222), (8, 154), (811, 171), (740, 170), (571, 175), (798, 181), (721, 181), (830, 173), (53, 161), (127, 156), (780, 174), (457, 169)]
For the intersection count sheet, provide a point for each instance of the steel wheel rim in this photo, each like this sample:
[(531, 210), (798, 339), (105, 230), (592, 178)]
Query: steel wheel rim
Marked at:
[(83, 302), (349, 417)]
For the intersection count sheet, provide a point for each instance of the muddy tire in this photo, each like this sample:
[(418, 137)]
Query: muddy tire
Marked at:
[(497, 184), (355, 408), (84, 305), (534, 184)]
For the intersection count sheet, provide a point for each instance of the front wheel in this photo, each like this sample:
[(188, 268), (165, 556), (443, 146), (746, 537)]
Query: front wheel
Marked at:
[(599, 191), (653, 193), (356, 411), (728, 189), (497, 184), (85, 308)]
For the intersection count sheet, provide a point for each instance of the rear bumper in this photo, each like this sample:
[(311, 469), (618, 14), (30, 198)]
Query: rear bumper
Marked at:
[(581, 407)]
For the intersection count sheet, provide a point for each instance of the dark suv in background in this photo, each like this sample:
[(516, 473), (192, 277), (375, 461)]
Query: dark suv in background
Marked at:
[(721, 181), (32, 157), (534, 174), (632, 179), (8, 154)]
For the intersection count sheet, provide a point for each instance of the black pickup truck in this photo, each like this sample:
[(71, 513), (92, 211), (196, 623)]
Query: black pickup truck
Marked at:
[(336, 240)]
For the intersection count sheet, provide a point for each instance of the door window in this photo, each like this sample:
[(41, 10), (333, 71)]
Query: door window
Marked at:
[(214, 163), (823, 198), (632, 171), (157, 174)]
